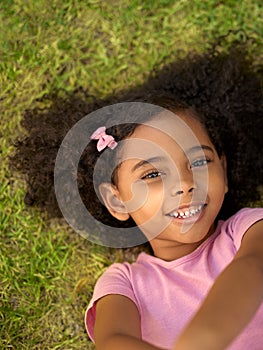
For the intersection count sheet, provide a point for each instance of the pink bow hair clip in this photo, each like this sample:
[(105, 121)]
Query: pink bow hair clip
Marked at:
[(104, 140)]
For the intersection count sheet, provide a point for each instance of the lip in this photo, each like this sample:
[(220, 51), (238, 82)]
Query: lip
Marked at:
[(186, 206), (197, 210)]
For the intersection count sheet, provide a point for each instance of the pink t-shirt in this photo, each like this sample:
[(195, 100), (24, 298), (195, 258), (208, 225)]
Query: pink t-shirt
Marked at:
[(167, 294)]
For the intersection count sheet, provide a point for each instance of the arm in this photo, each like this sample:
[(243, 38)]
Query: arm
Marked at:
[(232, 301), (118, 325)]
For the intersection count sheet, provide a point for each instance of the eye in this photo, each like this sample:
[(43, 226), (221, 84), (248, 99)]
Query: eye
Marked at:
[(152, 175), (200, 162)]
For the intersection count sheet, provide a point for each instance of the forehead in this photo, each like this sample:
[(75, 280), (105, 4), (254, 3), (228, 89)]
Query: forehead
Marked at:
[(162, 134)]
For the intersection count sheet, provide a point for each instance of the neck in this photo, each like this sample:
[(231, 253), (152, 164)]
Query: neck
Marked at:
[(171, 250), (170, 253)]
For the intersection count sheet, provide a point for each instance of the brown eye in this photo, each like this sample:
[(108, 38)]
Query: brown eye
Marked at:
[(200, 163), (152, 175)]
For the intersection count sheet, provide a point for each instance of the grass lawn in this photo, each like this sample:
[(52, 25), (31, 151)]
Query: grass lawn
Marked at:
[(48, 271)]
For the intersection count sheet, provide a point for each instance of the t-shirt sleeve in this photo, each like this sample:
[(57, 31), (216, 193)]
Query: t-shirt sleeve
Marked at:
[(115, 280), (237, 225)]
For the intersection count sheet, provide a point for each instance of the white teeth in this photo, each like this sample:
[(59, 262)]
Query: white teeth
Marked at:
[(188, 213)]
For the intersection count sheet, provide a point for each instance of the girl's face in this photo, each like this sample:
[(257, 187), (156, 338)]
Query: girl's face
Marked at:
[(172, 183)]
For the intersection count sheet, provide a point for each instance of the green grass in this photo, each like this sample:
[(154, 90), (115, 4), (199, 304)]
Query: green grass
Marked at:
[(48, 271)]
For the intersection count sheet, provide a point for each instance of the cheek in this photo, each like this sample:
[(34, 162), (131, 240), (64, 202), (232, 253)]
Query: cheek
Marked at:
[(144, 201), (136, 196), (151, 203), (218, 184)]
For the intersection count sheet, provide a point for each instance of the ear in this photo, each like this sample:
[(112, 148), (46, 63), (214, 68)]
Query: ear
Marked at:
[(113, 202), (224, 165)]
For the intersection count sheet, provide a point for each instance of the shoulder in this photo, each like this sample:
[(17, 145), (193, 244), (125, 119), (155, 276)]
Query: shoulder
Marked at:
[(124, 278), (125, 270), (238, 224), (121, 278), (118, 280), (245, 218)]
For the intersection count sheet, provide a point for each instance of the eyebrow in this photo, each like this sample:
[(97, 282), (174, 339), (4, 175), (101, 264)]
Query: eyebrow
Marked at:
[(199, 148), (146, 162), (159, 159)]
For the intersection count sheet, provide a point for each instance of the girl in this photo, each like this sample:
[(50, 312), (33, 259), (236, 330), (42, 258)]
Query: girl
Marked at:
[(179, 174)]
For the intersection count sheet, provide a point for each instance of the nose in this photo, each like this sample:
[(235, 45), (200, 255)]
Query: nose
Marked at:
[(183, 184)]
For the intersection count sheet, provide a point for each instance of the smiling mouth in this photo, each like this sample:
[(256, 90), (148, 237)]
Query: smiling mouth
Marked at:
[(187, 212)]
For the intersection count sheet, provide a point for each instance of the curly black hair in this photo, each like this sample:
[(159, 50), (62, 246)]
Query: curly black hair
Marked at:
[(221, 86)]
